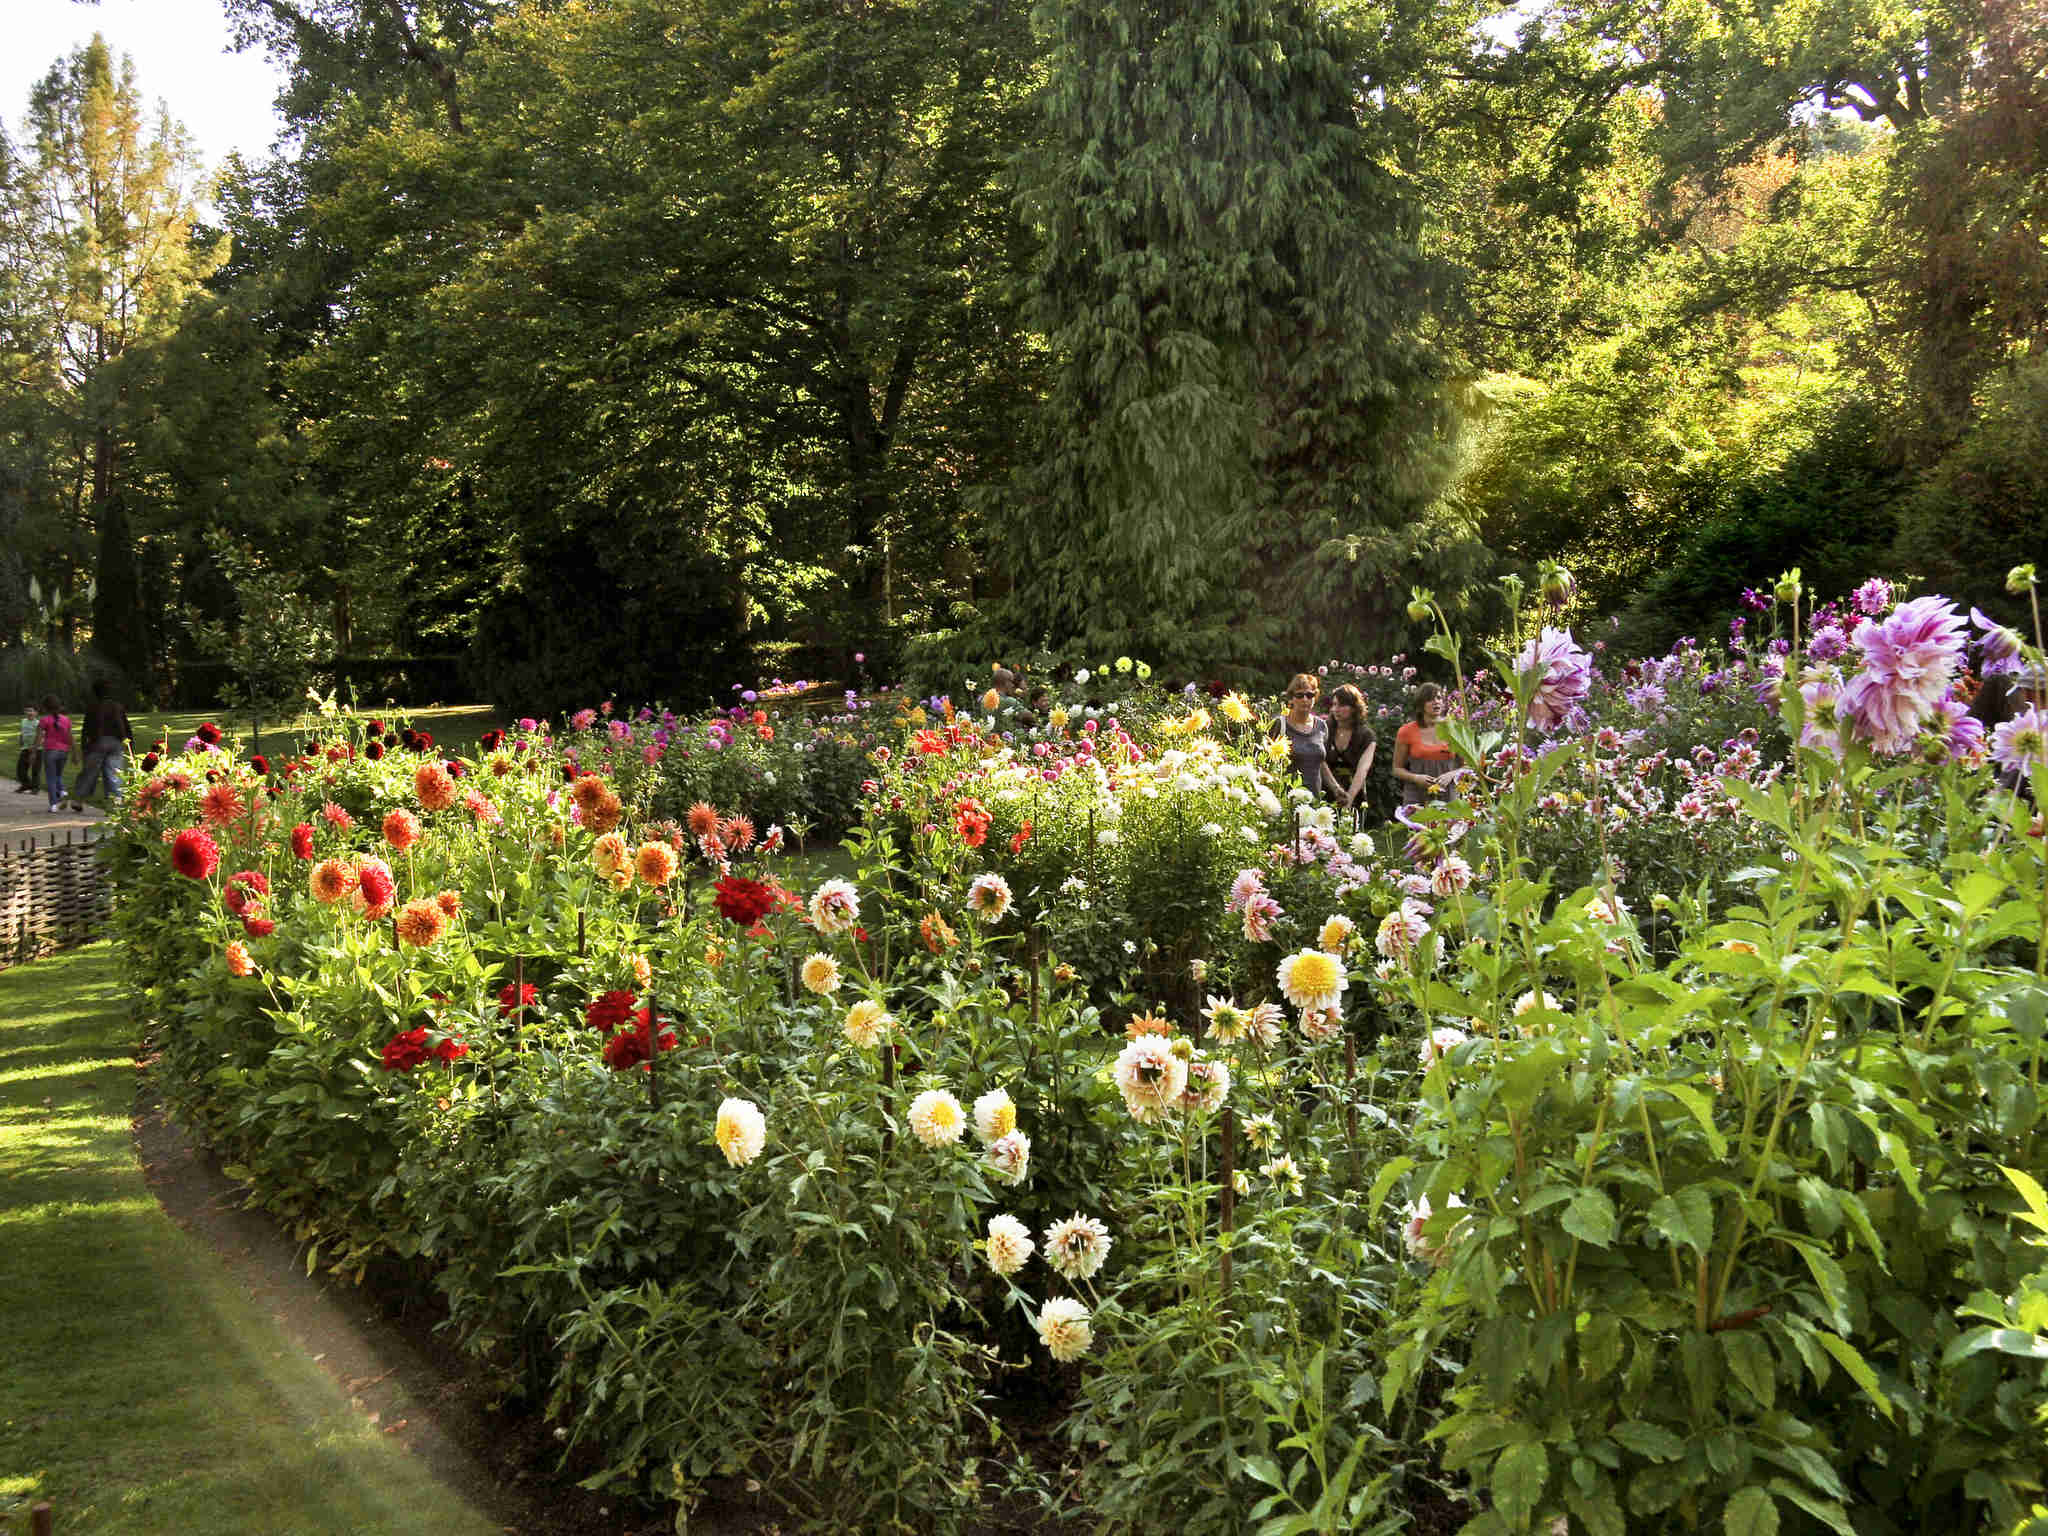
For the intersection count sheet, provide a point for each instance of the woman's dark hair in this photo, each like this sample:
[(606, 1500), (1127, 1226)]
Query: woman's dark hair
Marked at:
[(1347, 693), (1423, 693), (49, 704)]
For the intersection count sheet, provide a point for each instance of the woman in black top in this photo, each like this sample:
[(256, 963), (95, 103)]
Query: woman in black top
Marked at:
[(1351, 749)]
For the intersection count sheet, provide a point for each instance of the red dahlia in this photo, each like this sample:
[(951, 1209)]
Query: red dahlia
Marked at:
[(302, 840), (258, 927), (610, 1010), (374, 880), (744, 901), (511, 996), (633, 1046), (194, 854), (404, 1052), (209, 733)]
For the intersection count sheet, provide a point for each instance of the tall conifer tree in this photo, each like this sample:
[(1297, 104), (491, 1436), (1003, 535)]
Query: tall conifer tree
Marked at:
[(1232, 283)]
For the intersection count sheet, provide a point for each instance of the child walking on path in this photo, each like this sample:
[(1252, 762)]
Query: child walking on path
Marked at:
[(28, 767), (55, 727)]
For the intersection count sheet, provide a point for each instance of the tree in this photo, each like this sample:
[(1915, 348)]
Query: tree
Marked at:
[(1231, 281), (101, 216)]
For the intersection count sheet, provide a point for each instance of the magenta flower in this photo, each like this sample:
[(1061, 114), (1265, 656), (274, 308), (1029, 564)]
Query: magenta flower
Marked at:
[(1909, 661), (1873, 597), (2000, 646), (1952, 733), (2021, 744), (1564, 673), (1827, 643)]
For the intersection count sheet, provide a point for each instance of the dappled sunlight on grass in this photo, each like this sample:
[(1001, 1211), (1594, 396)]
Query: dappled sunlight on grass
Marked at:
[(143, 1392)]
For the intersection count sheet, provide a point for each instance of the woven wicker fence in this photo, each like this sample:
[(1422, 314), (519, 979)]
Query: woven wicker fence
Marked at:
[(51, 895)]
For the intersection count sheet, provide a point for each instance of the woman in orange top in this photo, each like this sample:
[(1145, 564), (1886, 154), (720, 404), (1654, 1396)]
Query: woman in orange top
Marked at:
[(1421, 758)]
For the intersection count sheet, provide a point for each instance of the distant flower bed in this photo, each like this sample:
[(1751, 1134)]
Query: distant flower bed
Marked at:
[(1551, 1151)]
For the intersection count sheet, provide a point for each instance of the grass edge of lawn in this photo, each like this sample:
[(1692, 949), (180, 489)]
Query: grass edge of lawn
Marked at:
[(146, 1390)]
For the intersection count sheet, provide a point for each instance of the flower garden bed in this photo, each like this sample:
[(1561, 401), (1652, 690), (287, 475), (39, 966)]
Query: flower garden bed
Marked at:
[(1620, 1141)]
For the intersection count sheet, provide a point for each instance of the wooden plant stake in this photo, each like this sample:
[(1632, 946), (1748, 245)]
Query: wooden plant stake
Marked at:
[(1351, 1105), (1229, 1192), (519, 1002), (42, 1520), (582, 946)]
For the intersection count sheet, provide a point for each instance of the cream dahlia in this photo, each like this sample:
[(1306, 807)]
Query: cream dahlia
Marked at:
[(1077, 1247), (741, 1131), (936, 1118), (1009, 1244)]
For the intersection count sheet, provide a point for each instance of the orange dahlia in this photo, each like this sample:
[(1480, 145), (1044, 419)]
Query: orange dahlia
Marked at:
[(587, 791), (450, 902), (331, 880), (656, 863), (436, 789), (239, 963), (702, 820), (738, 833), (222, 803), (401, 829), (421, 922), (937, 932), (609, 853), (606, 815), (1146, 1024)]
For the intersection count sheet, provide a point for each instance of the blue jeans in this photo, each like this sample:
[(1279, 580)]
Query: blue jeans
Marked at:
[(103, 765), (53, 776)]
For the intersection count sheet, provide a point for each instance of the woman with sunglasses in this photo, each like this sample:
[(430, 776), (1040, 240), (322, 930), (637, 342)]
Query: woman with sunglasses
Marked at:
[(1307, 734)]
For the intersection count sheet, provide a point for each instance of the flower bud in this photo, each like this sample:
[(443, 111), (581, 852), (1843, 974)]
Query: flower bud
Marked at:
[(1788, 587), (1419, 600), (2020, 579), (1556, 584)]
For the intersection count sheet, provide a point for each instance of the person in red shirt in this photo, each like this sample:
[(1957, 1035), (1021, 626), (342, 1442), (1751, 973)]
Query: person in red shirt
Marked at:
[(55, 727)]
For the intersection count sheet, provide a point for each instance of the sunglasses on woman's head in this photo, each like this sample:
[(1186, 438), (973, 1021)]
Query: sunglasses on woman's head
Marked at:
[(1301, 695)]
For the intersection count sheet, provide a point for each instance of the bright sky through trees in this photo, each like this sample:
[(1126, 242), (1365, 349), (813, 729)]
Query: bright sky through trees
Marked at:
[(180, 48)]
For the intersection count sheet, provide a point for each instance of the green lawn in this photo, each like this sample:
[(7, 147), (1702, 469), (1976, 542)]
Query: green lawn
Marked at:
[(454, 726), (140, 1389)]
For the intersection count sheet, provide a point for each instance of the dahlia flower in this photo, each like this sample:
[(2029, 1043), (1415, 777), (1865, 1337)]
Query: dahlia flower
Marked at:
[(835, 907), (1909, 662), (743, 901), (1249, 883), (1064, 1328), (336, 817), (1439, 1043), (330, 880), (1208, 1084), (1310, 978), (1415, 1232), (1225, 1019), (1259, 1131), (435, 787), (1451, 875), (1077, 1247), (741, 1130), (1259, 914), (1531, 999), (936, 1118), (1262, 1025), (702, 820), (989, 897), (194, 854), (1285, 1172), (1563, 673), (1010, 1156), (1402, 929), (867, 1023), (1336, 933), (2000, 647), (516, 995), (1320, 1024), (1009, 1244), (375, 887), (2020, 745), (820, 974), (995, 1116), (608, 854), (222, 803), (302, 841), (401, 829), (239, 963), (421, 923), (1151, 1074), (655, 863), (1872, 598)]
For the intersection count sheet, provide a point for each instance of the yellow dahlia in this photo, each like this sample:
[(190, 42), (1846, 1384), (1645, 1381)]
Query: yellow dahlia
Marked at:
[(1310, 978), (868, 1023), (819, 974)]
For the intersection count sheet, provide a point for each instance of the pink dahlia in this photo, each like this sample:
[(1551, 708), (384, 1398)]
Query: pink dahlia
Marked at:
[(1564, 673), (2021, 744), (1909, 662)]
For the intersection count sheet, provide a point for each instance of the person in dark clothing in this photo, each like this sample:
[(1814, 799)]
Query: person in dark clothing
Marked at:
[(108, 736), (1351, 750)]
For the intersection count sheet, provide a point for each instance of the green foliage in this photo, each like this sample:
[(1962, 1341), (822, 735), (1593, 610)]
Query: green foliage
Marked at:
[(1239, 429)]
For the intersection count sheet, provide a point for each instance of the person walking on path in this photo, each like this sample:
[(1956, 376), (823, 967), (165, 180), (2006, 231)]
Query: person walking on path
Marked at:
[(28, 767), (109, 736), (55, 729), (1306, 733)]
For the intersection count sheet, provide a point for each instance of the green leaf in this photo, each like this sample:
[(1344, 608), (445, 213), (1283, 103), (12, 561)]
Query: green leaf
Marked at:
[(2006, 1341), (1598, 1513), (1518, 1479), (1590, 1217), (1653, 1441), (1702, 1109), (1752, 1512), (1687, 1218), (1383, 1181), (1859, 1370)]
